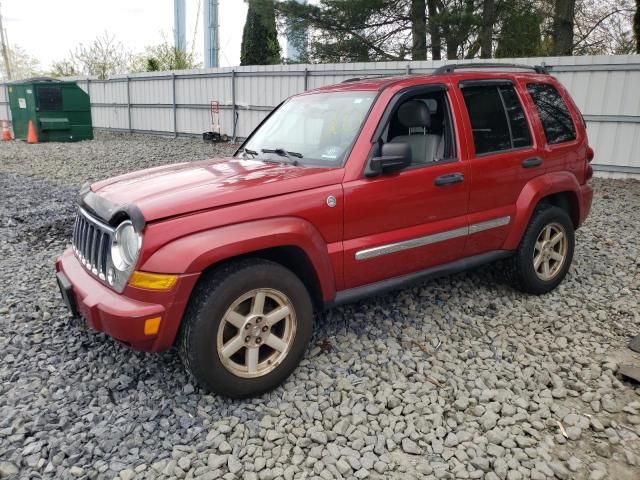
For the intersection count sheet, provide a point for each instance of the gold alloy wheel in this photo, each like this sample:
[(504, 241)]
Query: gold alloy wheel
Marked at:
[(550, 251), (256, 333)]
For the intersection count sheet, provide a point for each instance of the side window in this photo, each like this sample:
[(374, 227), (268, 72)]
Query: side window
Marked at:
[(553, 112), (424, 122), (497, 118), (49, 99)]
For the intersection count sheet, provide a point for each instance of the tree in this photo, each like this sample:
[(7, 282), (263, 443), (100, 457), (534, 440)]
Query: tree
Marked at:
[(520, 32), (103, 57), (22, 64), (418, 30), (352, 31), (603, 27), (486, 29), (563, 17), (434, 30), (458, 20), (164, 57), (65, 68), (260, 44)]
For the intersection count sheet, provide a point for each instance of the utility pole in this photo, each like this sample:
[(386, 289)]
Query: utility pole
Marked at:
[(211, 46), (180, 25), (5, 49)]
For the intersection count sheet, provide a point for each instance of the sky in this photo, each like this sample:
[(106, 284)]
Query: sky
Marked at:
[(49, 29)]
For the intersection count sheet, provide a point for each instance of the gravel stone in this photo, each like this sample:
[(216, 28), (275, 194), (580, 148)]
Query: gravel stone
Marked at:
[(481, 394), (409, 446)]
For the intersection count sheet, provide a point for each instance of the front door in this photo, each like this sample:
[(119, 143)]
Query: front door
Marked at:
[(411, 220)]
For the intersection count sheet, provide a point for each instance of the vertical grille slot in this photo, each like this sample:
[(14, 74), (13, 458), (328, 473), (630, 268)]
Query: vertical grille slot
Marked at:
[(91, 240)]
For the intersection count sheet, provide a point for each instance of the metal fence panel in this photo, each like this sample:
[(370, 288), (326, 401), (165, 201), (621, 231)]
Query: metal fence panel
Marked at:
[(605, 88)]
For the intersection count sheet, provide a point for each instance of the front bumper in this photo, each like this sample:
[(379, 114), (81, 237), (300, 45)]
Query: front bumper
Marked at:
[(122, 316)]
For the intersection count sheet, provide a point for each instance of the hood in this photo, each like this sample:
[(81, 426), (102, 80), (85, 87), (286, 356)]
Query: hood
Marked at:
[(187, 187)]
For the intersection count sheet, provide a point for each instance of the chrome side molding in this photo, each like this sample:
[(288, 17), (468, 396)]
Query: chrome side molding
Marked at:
[(432, 238)]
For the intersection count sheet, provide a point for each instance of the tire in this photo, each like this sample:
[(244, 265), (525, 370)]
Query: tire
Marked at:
[(218, 322), (529, 275)]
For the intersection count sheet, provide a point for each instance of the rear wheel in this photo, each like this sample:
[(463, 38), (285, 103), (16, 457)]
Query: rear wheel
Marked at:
[(545, 252), (246, 328)]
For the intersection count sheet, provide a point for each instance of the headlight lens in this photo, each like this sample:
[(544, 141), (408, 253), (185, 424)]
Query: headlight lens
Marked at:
[(125, 246)]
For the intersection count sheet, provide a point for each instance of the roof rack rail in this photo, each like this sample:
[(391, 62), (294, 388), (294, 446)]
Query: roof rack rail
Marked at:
[(367, 77), (451, 68)]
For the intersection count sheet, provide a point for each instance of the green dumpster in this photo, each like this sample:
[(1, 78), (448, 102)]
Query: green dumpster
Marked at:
[(60, 110)]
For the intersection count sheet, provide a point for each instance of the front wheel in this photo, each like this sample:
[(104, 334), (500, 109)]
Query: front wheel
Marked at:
[(545, 252), (246, 328)]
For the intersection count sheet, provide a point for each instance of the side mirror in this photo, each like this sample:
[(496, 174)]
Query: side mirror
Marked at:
[(393, 158)]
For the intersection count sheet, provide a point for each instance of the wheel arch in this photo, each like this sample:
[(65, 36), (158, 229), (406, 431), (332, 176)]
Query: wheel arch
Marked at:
[(560, 189), (291, 257)]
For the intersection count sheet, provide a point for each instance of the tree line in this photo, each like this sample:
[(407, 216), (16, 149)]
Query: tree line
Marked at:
[(336, 31), (102, 57), (377, 30)]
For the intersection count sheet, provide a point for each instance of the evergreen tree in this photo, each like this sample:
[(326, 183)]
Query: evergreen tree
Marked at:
[(520, 35), (260, 38)]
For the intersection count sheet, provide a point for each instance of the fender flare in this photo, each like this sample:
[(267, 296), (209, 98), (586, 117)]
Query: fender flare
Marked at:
[(534, 191), (195, 252)]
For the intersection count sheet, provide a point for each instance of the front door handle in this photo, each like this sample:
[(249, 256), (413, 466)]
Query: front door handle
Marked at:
[(532, 162), (448, 179)]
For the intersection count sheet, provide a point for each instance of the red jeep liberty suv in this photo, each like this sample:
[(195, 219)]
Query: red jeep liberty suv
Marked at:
[(341, 192)]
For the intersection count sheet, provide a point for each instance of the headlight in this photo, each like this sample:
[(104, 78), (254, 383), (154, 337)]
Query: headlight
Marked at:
[(125, 246)]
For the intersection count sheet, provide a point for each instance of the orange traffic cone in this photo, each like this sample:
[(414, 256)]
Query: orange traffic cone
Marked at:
[(31, 133), (6, 134)]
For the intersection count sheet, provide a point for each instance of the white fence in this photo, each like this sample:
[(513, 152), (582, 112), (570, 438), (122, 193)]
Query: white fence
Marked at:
[(606, 88)]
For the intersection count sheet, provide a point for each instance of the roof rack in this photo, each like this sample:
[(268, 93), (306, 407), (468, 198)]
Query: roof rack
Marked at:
[(367, 77), (451, 68)]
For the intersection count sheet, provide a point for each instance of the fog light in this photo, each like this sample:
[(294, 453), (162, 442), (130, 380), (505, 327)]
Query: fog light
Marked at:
[(153, 281), (152, 325)]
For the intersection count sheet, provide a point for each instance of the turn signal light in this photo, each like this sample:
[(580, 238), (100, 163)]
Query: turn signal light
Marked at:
[(153, 281)]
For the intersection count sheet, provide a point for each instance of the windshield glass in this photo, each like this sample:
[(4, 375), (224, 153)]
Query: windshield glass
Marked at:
[(316, 129)]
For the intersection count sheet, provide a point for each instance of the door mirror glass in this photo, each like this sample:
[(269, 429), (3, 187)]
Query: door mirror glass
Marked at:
[(393, 158)]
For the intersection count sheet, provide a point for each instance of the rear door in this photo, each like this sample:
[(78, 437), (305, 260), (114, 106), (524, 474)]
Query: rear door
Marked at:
[(504, 157)]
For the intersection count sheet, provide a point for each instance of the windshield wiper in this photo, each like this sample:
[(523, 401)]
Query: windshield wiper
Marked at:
[(249, 152), (283, 153)]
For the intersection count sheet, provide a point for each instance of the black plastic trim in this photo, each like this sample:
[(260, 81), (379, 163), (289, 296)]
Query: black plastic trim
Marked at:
[(358, 293), (108, 211), (494, 82), (480, 65)]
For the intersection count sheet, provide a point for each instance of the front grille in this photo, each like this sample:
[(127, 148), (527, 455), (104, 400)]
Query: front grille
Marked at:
[(91, 242)]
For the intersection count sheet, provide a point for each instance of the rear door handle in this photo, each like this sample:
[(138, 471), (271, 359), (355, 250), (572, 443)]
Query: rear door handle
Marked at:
[(532, 162), (448, 179)]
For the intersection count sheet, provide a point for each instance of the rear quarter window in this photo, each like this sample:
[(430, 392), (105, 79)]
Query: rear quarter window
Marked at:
[(553, 112)]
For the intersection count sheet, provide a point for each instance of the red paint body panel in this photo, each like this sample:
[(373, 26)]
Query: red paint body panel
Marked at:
[(211, 246), (200, 213)]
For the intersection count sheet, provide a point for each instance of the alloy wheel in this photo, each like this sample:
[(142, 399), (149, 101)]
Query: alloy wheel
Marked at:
[(550, 251), (256, 333)]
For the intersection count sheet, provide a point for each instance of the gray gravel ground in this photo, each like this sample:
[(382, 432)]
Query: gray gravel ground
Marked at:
[(458, 378)]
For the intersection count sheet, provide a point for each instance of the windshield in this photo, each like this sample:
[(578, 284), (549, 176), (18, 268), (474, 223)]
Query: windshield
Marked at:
[(316, 129)]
